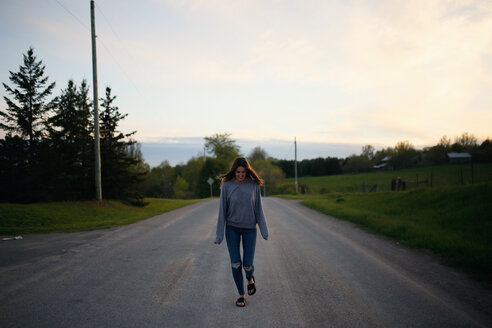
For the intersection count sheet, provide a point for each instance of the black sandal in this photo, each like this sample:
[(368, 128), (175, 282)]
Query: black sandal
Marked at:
[(241, 300), (252, 287)]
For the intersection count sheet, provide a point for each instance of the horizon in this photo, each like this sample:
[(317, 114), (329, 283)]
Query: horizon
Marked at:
[(181, 150)]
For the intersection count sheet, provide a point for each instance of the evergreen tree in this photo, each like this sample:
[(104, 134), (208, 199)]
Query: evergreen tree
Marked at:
[(287, 166), (318, 167), (14, 170), (72, 119), (70, 130), (24, 155), (27, 112), (118, 162)]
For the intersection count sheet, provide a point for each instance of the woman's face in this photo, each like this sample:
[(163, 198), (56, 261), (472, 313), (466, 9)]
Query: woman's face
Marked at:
[(240, 174)]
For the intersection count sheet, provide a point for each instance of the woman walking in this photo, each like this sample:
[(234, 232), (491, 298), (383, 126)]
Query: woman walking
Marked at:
[(240, 211)]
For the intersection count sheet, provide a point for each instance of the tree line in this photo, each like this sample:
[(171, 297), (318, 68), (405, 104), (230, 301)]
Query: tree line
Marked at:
[(190, 179), (47, 153), (403, 155)]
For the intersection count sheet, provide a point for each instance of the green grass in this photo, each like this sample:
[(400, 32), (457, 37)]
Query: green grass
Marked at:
[(442, 175), (78, 216), (453, 222)]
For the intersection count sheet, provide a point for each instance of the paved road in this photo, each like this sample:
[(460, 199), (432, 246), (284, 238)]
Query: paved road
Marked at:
[(314, 271)]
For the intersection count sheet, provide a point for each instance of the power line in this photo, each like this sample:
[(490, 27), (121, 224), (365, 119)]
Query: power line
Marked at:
[(289, 151), (102, 42), (73, 15), (118, 64), (109, 24), (122, 43)]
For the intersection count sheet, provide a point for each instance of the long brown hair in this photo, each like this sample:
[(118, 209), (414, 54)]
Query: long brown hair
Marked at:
[(231, 174)]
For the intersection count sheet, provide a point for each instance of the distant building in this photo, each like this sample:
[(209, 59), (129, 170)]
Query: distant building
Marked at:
[(459, 157), (383, 164)]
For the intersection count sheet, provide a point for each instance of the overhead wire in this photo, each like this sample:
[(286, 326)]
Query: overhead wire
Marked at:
[(119, 66), (73, 15), (289, 151), (102, 42), (98, 7)]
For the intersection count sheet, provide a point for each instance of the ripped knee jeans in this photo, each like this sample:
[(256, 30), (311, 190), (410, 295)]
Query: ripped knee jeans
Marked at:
[(233, 237)]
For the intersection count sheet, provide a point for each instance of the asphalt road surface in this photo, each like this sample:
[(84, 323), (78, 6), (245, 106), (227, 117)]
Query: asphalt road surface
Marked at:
[(314, 271)]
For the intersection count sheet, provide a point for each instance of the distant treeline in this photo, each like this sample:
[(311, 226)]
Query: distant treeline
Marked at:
[(313, 167), (403, 155), (48, 151), (190, 179)]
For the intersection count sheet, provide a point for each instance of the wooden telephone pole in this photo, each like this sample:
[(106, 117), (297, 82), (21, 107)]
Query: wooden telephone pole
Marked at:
[(97, 149)]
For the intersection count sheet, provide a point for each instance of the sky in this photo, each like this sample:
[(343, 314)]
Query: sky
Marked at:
[(336, 74)]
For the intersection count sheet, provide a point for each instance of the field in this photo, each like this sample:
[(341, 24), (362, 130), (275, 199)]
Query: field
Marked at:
[(18, 219), (438, 176)]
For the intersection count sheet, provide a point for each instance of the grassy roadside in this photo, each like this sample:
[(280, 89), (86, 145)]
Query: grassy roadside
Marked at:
[(453, 222), (78, 216)]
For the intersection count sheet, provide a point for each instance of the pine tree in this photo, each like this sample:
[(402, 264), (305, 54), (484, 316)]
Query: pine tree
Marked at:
[(118, 162), (72, 142), (72, 119), (27, 111)]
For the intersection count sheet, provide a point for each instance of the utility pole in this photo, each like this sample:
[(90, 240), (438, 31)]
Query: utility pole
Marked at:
[(295, 162), (97, 151)]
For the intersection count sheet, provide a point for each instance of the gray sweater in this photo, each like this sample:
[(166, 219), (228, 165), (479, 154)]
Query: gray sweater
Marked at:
[(240, 206)]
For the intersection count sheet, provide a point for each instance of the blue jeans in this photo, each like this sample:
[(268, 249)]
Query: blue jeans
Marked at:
[(233, 237)]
